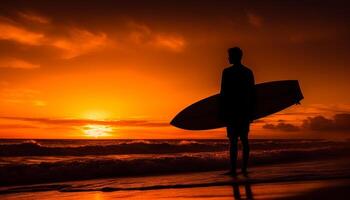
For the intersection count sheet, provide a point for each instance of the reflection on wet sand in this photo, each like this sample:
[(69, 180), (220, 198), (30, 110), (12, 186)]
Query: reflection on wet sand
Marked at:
[(247, 191), (321, 189)]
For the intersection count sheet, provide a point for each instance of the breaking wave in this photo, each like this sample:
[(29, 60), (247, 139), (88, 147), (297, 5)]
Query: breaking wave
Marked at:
[(152, 165), (36, 148), (33, 148)]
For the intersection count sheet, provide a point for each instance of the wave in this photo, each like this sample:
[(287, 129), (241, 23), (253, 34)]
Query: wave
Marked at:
[(102, 168), (34, 148)]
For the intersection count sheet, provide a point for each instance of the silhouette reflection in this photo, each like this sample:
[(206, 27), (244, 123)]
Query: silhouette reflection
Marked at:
[(237, 194)]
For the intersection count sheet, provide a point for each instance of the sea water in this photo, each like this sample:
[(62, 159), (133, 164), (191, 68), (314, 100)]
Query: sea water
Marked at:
[(47, 161)]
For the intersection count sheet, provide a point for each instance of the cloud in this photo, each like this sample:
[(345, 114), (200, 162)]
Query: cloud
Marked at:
[(15, 126), (33, 17), (332, 108), (33, 29), (282, 126), (340, 122), (170, 42), (254, 20), (84, 122), (15, 32), (144, 35), (71, 41), (78, 42), (17, 63), (21, 96)]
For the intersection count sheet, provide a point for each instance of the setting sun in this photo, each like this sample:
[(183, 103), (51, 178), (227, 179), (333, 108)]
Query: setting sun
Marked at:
[(97, 131)]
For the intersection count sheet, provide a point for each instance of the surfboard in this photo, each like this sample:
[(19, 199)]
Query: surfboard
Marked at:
[(271, 97)]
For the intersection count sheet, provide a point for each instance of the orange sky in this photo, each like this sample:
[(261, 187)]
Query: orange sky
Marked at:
[(123, 69)]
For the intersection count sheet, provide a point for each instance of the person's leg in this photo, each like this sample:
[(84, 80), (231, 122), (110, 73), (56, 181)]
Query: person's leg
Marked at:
[(233, 149), (246, 150)]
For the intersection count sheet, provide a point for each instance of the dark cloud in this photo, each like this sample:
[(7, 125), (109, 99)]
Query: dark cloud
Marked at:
[(340, 122), (282, 126)]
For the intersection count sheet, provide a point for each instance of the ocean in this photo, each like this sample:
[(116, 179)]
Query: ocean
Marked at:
[(46, 161)]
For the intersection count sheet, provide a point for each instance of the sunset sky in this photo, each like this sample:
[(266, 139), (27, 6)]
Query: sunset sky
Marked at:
[(123, 69)]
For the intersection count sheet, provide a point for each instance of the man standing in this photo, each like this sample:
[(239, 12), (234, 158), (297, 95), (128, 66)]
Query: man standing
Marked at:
[(237, 97)]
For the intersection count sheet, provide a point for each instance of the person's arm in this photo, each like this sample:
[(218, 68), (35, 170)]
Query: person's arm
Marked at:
[(223, 83), (222, 96), (253, 95)]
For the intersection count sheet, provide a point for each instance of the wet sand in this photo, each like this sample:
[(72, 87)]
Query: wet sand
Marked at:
[(323, 179), (325, 189)]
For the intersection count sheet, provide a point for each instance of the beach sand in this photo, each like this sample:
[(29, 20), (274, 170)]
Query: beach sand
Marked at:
[(325, 189), (326, 179)]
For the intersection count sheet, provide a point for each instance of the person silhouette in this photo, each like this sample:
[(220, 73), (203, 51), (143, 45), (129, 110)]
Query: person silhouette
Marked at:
[(237, 104)]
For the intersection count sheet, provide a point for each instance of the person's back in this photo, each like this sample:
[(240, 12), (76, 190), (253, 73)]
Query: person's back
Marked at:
[(237, 93), (237, 105)]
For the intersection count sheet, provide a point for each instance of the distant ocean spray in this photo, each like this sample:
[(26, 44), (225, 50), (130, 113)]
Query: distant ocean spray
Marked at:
[(38, 161)]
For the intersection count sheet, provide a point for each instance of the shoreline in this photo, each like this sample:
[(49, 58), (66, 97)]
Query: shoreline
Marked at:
[(225, 181), (312, 189)]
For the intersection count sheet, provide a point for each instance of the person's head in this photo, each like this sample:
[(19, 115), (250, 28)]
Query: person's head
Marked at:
[(235, 55)]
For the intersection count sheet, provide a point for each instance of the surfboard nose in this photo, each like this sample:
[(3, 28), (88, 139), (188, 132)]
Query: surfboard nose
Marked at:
[(174, 122), (179, 122)]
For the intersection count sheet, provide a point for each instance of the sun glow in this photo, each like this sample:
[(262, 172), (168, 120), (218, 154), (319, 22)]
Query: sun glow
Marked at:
[(97, 131), (96, 115)]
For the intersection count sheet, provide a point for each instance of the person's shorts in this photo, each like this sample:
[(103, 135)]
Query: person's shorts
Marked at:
[(238, 129)]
